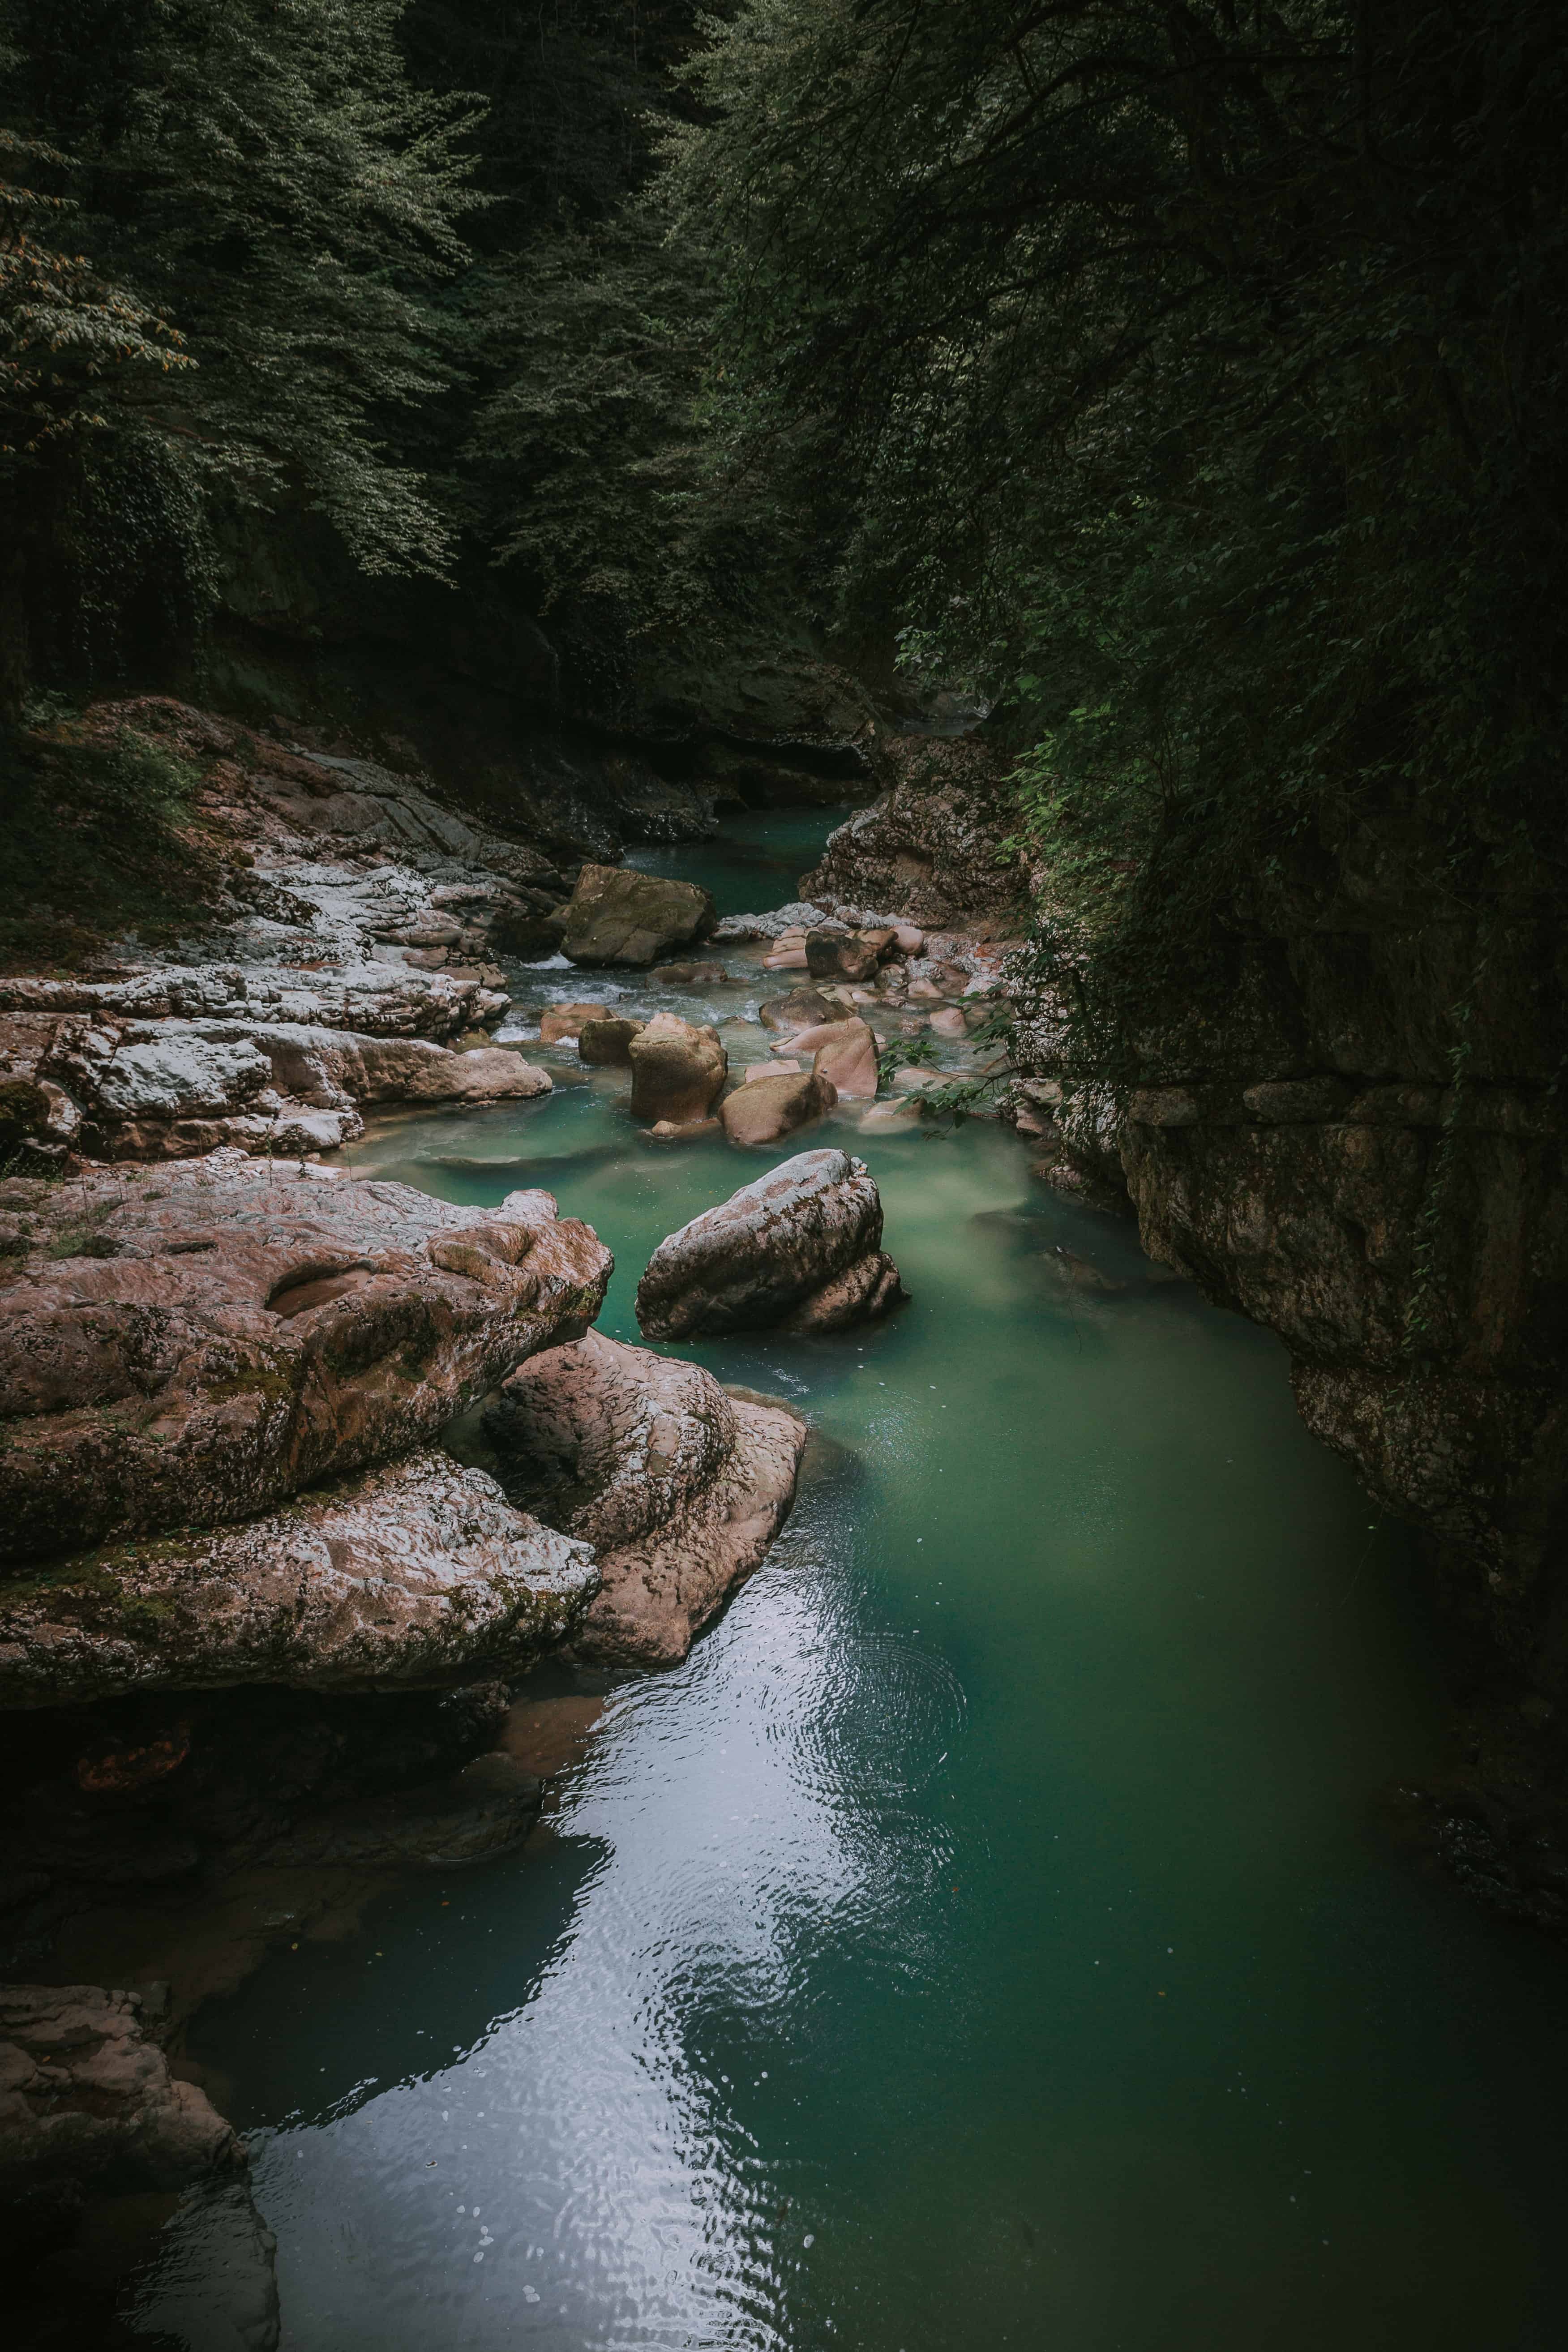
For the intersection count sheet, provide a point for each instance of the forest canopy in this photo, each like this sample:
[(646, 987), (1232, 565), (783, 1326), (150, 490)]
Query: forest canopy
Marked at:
[(1189, 378), (1194, 376)]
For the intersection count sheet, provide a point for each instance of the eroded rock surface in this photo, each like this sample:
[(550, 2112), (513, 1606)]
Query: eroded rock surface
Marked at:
[(83, 2092), (417, 1575), (931, 847), (798, 1249), (679, 1486), (192, 1348)]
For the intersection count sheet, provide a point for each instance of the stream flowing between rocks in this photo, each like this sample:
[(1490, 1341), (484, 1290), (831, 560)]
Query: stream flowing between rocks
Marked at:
[(999, 1931)]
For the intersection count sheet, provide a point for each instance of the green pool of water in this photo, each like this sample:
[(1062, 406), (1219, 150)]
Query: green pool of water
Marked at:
[(989, 1935), (756, 860)]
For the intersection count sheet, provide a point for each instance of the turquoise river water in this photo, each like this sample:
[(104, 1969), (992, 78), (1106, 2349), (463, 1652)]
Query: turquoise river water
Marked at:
[(990, 1935)]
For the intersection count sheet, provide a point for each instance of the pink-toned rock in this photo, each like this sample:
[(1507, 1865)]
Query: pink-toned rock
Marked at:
[(193, 1347), (766, 1070), (908, 940), (776, 1104), (949, 1022), (844, 1052), (559, 1021), (679, 1486), (785, 959), (420, 1576), (677, 1071)]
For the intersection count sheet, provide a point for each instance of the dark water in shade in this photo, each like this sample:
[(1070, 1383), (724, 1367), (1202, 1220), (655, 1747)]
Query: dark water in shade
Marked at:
[(757, 859), (987, 1937)]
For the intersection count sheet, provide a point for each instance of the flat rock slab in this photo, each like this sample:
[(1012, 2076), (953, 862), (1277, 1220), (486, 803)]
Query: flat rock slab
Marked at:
[(188, 1347), (679, 1486), (798, 1249), (418, 1576)]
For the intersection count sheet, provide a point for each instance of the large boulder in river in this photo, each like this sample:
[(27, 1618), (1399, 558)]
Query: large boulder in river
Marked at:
[(799, 1249), (679, 1486), (773, 1104), (678, 1070), (617, 916), (193, 1345), (420, 1576)]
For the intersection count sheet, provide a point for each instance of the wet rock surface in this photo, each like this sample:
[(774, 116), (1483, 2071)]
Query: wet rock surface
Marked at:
[(774, 1104), (197, 1348), (798, 1249), (679, 1486)]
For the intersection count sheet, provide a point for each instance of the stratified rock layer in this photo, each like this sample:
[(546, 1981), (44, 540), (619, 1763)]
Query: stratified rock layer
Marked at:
[(194, 1347), (679, 1486), (799, 1249)]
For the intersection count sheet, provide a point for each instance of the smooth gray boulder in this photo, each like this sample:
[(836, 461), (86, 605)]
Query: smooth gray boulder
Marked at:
[(620, 916), (679, 1486), (800, 1249)]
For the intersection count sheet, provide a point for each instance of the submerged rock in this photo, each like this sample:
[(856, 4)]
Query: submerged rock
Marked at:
[(679, 1486), (420, 1575), (195, 1346), (773, 1103), (620, 916), (677, 1071), (800, 1249)]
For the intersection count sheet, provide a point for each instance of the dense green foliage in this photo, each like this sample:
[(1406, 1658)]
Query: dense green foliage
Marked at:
[(1198, 373), (391, 263), (102, 837), (262, 206)]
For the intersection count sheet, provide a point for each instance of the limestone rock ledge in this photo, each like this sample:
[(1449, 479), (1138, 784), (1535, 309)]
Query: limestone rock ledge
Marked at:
[(415, 1577), (192, 1348), (680, 1485)]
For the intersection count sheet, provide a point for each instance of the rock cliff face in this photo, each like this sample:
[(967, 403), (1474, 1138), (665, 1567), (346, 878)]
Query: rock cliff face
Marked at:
[(1364, 1148), (932, 847)]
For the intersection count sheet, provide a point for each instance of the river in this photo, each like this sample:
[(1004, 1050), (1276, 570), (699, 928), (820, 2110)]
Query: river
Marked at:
[(997, 1932)]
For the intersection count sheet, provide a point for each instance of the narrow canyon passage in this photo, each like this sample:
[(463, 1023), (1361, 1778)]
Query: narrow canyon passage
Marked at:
[(998, 1930)]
